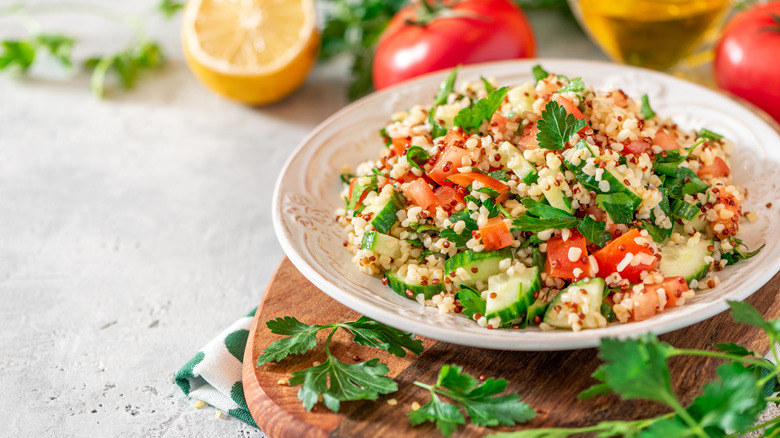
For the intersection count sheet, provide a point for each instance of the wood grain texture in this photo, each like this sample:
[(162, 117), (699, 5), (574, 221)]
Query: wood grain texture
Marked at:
[(548, 381)]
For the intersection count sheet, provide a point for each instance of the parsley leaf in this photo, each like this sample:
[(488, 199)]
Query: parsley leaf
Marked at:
[(302, 338), (446, 88), (537, 258), (17, 55), (460, 239), (709, 135), (471, 301), (499, 175), (416, 155), (647, 112), (594, 231), (59, 47), (488, 86), (736, 254), (619, 206), (539, 73), (636, 368), (667, 165), (361, 381), (377, 335), (472, 117), (524, 222), (557, 126), (482, 402), (544, 211), (576, 85), (731, 402), (685, 182), (747, 314), (169, 8), (346, 177), (127, 65), (658, 234), (488, 191)]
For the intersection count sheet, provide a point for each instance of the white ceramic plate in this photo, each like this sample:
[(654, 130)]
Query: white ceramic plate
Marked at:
[(307, 194)]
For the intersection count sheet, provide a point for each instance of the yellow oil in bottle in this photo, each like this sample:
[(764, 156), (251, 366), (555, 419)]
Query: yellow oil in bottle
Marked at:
[(649, 33)]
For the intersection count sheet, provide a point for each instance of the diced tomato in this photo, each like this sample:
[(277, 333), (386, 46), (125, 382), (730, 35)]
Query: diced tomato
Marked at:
[(420, 193), (465, 179), (673, 288), (495, 234), (645, 304), (498, 124), (612, 255), (558, 262), (449, 199), (718, 169), (528, 139), (448, 163), (400, 144), (407, 177), (455, 137), (636, 147), (362, 195), (619, 98), (667, 141), (569, 106)]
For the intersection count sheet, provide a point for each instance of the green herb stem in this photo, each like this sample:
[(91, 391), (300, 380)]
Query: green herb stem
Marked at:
[(755, 428), (732, 357), (683, 413)]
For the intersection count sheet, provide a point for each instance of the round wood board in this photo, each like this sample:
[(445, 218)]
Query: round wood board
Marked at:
[(548, 381)]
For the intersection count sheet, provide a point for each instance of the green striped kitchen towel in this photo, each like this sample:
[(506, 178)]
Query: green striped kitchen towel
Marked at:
[(214, 374)]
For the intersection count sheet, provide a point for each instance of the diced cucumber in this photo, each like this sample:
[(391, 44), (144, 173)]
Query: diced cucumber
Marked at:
[(509, 296), (512, 158), (384, 215), (401, 288), (478, 265), (381, 244), (686, 260), (357, 193), (616, 184), (684, 210), (583, 299), (554, 194)]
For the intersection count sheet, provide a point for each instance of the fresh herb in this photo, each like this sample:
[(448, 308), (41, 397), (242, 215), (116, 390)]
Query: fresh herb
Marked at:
[(729, 405), (499, 175), (490, 192), (19, 55), (471, 301), (659, 235), (594, 231), (470, 118), (709, 135), (537, 258), (647, 112), (356, 194), (481, 401), (360, 381), (736, 254), (524, 222), (539, 73), (169, 8), (503, 210), (492, 207), (619, 206), (685, 182), (417, 156), (668, 164), (346, 177), (576, 85), (385, 137), (425, 254), (557, 126), (544, 211), (533, 239), (422, 228), (488, 86), (445, 89), (456, 239), (415, 242)]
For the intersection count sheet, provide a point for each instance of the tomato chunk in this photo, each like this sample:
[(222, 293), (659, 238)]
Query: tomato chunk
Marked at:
[(615, 256), (495, 234), (400, 144), (718, 169), (673, 288), (560, 253), (449, 199), (455, 137), (465, 179), (420, 193), (528, 139), (447, 164), (645, 305), (569, 106), (636, 147), (667, 141)]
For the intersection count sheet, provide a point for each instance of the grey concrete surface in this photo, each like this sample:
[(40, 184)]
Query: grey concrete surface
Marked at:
[(133, 229)]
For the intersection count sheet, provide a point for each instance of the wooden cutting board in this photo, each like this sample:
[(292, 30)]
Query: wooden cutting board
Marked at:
[(548, 381)]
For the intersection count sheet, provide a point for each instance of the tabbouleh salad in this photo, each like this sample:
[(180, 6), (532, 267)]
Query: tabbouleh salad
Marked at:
[(547, 203)]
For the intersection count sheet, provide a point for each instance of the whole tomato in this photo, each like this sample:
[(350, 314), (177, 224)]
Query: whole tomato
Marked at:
[(746, 54), (433, 35)]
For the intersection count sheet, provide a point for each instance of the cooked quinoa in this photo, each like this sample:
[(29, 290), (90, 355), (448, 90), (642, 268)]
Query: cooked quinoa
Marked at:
[(518, 205)]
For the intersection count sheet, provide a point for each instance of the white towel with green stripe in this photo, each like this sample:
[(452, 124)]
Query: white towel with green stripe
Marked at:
[(214, 374)]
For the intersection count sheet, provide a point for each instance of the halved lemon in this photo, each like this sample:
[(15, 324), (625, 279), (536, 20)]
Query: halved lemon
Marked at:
[(252, 51)]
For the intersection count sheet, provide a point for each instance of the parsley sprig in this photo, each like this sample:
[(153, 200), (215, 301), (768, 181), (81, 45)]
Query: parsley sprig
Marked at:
[(481, 401), (727, 406), (557, 126), (335, 380)]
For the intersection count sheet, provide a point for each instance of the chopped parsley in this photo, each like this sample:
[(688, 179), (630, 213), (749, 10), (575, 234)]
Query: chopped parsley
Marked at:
[(557, 126)]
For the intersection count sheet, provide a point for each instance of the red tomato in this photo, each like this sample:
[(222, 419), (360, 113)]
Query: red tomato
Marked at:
[(449, 199), (569, 106), (495, 234), (673, 288), (465, 179), (528, 139), (362, 195), (645, 304), (743, 57), (558, 262), (667, 141), (718, 169), (400, 144), (420, 193), (636, 147), (448, 163), (612, 255), (460, 32)]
